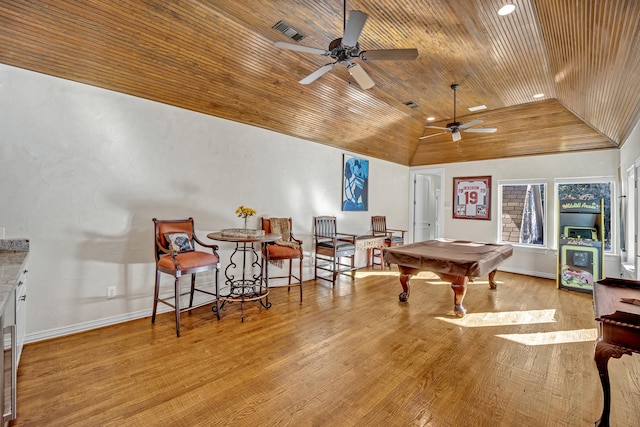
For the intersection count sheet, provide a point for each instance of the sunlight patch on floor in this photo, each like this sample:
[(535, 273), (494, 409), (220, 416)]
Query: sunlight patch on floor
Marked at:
[(555, 337), (526, 317), (362, 274)]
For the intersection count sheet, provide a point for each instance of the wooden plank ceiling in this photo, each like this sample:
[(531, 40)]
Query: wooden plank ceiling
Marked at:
[(218, 57)]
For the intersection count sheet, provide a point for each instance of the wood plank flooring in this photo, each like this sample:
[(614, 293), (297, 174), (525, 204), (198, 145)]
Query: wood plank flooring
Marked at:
[(348, 356)]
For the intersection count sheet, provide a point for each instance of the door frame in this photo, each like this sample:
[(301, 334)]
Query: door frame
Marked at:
[(434, 189)]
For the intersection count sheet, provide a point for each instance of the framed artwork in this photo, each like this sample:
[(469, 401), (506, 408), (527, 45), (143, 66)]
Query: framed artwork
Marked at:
[(355, 184), (472, 197)]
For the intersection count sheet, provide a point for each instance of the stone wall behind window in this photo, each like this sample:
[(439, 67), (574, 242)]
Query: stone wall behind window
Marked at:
[(513, 197)]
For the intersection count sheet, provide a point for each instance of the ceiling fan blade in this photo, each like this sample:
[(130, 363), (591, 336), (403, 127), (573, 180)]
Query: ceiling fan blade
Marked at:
[(361, 76), (300, 48), (471, 123), (389, 54), (436, 127), (456, 136), (429, 136), (482, 130), (317, 74), (354, 28)]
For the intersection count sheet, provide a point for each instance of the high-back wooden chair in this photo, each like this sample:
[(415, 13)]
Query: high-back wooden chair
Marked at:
[(176, 255), (393, 237), (286, 248), (331, 247)]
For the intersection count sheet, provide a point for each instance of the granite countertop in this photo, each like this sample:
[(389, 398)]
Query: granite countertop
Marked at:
[(13, 259)]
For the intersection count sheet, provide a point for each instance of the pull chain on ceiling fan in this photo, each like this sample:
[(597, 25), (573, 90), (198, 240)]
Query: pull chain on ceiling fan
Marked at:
[(346, 49), (455, 127)]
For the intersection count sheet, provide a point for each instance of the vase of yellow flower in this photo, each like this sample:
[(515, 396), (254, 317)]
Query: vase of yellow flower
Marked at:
[(245, 212)]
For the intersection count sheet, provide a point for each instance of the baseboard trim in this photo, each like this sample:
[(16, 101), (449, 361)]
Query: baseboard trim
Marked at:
[(86, 326), (529, 273), (108, 321)]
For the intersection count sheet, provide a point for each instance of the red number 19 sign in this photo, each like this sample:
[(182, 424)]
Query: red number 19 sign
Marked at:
[(472, 197)]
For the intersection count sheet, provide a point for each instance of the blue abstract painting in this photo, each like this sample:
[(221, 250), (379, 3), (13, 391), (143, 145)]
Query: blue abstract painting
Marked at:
[(355, 184)]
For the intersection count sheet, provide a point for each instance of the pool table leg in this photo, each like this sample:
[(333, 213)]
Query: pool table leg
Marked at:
[(459, 287), (405, 276), (492, 281), (404, 281)]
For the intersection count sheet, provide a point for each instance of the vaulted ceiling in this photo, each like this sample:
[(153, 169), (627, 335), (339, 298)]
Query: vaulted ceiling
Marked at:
[(218, 57)]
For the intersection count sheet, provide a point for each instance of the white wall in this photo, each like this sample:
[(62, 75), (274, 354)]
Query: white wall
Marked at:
[(84, 170), (538, 262)]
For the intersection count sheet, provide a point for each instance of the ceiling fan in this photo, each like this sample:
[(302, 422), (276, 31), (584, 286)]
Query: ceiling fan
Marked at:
[(345, 49), (455, 127)]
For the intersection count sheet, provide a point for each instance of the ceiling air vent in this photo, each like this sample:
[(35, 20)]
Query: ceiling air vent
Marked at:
[(411, 104), (288, 31)]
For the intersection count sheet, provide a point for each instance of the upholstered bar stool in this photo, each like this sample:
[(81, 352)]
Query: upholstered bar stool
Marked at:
[(286, 248), (176, 255)]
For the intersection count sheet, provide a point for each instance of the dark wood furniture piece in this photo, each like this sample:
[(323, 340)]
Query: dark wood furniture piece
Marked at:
[(176, 262), (617, 308), (392, 237), (331, 247), (289, 249), (243, 277), (452, 260)]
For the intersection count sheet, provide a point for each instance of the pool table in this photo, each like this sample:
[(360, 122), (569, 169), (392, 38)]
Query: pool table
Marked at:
[(454, 261)]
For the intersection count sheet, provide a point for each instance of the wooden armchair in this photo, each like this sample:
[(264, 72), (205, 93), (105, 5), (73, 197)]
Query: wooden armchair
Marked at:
[(176, 255), (393, 237), (287, 248), (331, 247)]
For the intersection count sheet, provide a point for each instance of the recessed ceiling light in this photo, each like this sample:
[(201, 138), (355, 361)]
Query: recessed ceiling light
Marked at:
[(478, 108), (430, 119), (538, 95), (506, 9)]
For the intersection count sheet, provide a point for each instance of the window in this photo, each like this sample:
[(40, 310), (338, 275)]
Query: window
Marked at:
[(586, 189), (522, 212)]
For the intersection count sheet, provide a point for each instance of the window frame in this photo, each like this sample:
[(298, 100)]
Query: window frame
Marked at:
[(628, 217), (545, 203)]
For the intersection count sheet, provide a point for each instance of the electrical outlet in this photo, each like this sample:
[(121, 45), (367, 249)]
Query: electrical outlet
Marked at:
[(111, 292)]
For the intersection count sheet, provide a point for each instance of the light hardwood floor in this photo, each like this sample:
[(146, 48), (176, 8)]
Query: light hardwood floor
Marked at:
[(349, 356)]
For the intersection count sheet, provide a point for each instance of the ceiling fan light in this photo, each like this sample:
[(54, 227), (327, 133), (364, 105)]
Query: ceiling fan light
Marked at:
[(506, 9), (455, 135)]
